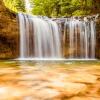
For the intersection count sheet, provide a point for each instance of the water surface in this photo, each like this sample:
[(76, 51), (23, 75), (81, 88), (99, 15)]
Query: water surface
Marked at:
[(49, 80)]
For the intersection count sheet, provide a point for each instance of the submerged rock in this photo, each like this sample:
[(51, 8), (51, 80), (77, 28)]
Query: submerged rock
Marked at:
[(82, 78), (69, 88), (12, 93), (84, 98)]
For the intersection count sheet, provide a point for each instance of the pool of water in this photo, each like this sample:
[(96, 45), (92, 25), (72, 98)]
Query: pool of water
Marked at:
[(49, 80)]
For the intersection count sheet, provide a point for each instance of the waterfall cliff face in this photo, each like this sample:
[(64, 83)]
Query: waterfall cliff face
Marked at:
[(41, 37), (8, 33)]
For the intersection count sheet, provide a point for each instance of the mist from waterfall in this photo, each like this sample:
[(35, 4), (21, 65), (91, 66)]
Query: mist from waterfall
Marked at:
[(39, 37)]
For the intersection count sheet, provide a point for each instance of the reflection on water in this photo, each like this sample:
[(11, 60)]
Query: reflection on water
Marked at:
[(49, 80)]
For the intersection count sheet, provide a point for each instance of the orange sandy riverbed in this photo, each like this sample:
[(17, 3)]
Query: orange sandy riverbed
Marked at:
[(49, 81)]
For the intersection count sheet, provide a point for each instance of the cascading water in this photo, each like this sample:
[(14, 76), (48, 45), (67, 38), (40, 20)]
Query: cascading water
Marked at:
[(44, 38), (82, 37), (39, 37)]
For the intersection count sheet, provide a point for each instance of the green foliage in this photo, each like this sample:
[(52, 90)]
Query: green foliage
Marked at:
[(64, 7), (57, 8), (80, 12), (46, 7), (15, 5)]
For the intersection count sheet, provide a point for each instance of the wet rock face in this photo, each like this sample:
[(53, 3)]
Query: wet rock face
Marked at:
[(98, 38), (8, 33)]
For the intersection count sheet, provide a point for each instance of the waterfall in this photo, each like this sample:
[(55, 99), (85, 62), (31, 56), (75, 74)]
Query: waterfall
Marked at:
[(82, 37), (39, 37), (42, 37)]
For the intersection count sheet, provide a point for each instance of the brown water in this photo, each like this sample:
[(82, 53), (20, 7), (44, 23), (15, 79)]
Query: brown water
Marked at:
[(27, 80)]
